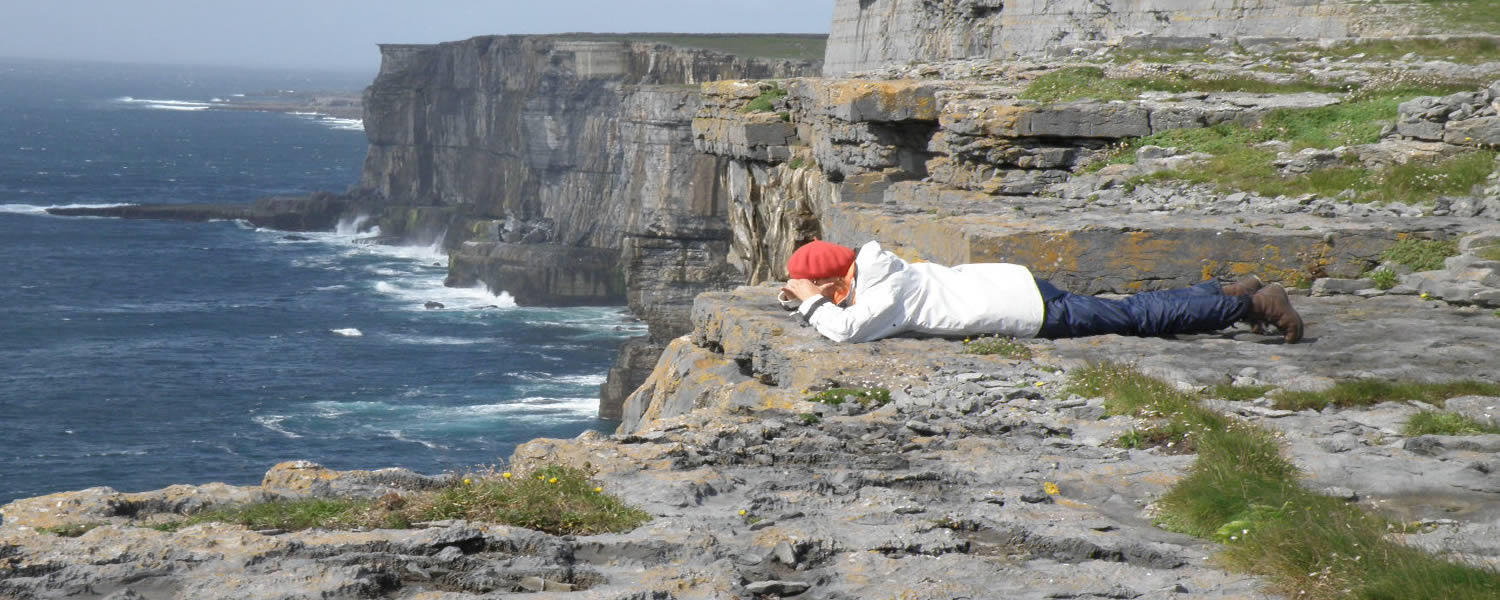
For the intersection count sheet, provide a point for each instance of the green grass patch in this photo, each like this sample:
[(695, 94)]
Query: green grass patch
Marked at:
[(1249, 169), (1462, 50), (1489, 252), (1235, 163), (1127, 391), (1384, 278), (869, 397), (1079, 83), (1365, 392), (554, 499), (1477, 16), (1419, 254), (784, 46), (1238, 393), (1419, 182), (1004, 346), (70, 530), (1169, 437), (766, 101), (1242, 492), (1444, 423)]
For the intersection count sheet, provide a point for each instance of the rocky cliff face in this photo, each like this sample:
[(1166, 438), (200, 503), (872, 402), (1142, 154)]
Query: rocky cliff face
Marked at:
[(869, 34), (561, 171)]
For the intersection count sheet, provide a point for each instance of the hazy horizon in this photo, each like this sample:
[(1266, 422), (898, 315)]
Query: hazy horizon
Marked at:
[(341, 35)]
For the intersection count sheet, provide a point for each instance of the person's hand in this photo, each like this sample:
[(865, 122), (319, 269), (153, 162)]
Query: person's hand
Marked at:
[(804, 289)]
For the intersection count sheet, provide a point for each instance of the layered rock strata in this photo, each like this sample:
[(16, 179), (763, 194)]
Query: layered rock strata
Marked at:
[(536, 141), (961, 171), (869, 34), (566, 169)]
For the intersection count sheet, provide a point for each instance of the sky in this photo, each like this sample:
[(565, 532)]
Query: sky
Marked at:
[(342, 34)]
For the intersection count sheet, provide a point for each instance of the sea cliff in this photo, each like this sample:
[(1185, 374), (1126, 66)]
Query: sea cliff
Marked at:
[(560, 170), (773, 463)]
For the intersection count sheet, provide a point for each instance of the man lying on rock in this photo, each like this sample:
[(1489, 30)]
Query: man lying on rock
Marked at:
[(874, 294)]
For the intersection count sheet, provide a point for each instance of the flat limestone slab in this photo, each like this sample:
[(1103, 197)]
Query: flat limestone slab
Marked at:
[(1387, 337), (1113, 250)]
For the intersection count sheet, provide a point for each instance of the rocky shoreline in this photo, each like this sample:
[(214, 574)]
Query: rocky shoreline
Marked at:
[(982, 476), (674, 177)]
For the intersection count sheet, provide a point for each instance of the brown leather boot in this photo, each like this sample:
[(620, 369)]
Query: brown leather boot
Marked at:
[(1272, 306), (1246, 286)]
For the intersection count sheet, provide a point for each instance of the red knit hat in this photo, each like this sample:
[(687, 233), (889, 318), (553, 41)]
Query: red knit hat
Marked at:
[(819, 260)]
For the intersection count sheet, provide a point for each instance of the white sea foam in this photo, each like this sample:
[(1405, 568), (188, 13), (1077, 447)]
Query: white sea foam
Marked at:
[(32, 209), (431, 421), (347, 332), (165, 104), (332, 122), (537, 405), (344, 124), (437, 340), (540, 377), (400, 437), (273, 423), (416, 292), (350, 226)]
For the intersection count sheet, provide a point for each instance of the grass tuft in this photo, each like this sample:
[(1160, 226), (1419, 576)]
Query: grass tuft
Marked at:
[(1005, 346), (1462, 50), (1243, 493), (1479, 16), (1080, 83), (1238, 393), (554, 499), (1384, 278), (773, 46), (867, 397), (766, 101), (1419, 254), (1444, 423), (1365, 392), (1236, 164), (70, 530), (1489, 252)]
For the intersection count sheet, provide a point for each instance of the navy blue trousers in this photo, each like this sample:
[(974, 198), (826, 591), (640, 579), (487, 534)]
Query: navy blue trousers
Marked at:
[(1197, 309)]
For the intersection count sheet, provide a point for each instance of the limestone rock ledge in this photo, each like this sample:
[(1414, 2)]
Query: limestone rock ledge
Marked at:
[(958, 171), (869, 34), (940, 494)]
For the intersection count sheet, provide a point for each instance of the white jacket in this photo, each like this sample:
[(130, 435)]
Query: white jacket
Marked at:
[(892, 297)]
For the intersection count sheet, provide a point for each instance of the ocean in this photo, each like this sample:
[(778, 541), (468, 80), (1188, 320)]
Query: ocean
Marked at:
[(140, 354)]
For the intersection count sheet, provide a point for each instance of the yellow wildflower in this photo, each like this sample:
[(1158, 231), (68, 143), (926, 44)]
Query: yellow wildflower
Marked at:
[(468, 481), (505, 474), (553, 480), (1050, 488), (742, 512), (599, 490)]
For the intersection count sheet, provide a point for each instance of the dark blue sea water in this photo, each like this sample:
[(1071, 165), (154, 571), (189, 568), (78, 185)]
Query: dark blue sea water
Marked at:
[(139, 354)]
